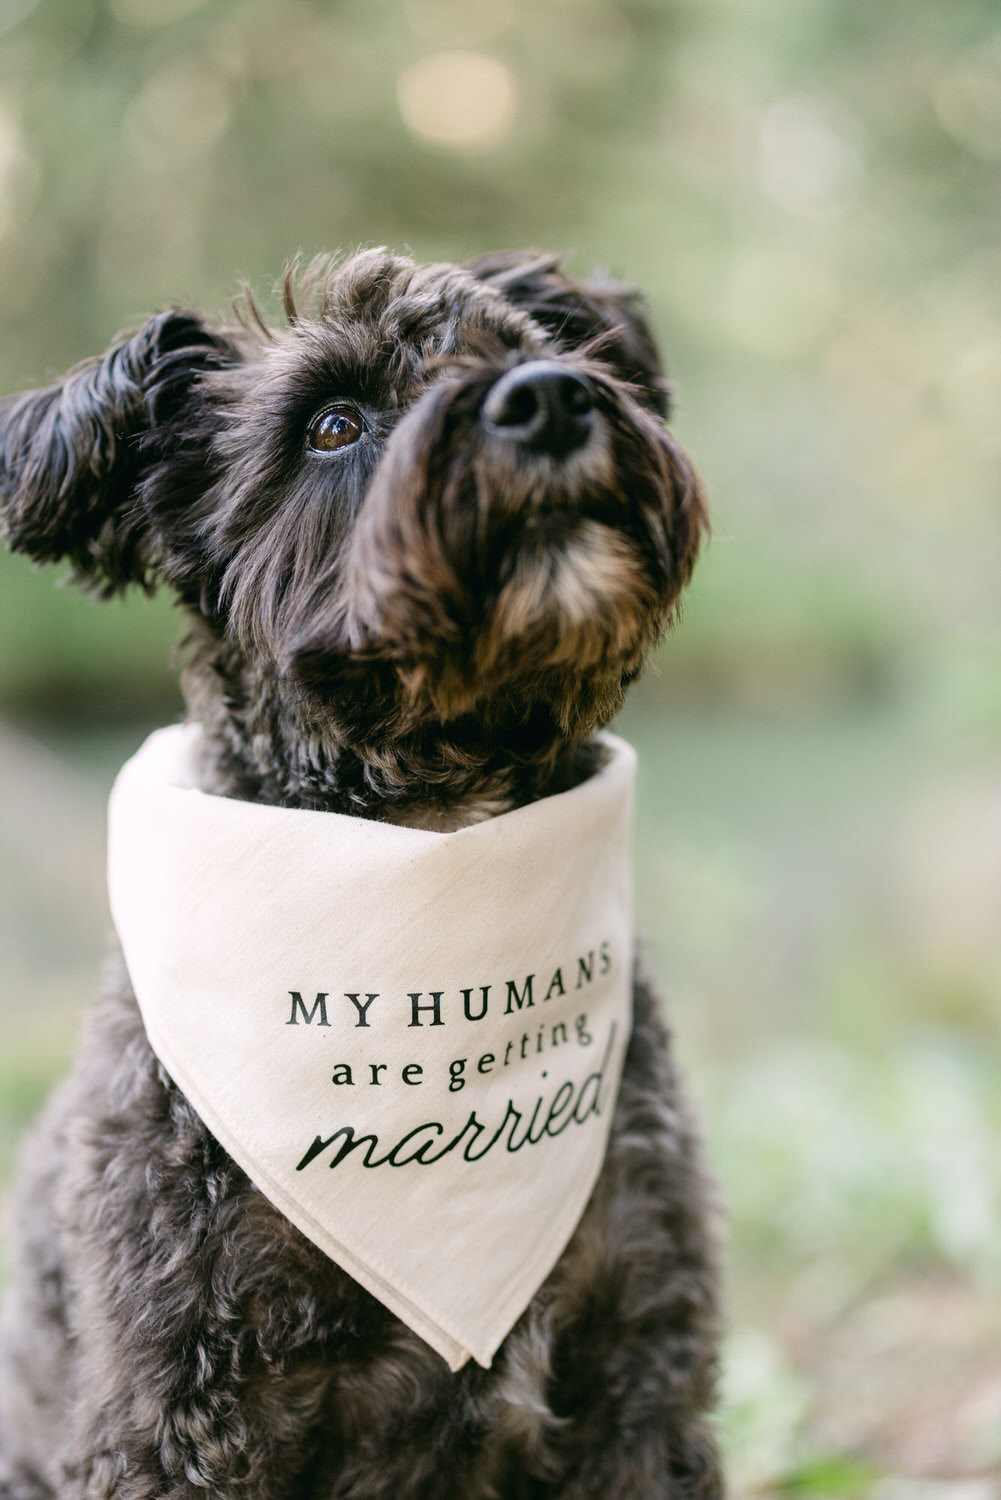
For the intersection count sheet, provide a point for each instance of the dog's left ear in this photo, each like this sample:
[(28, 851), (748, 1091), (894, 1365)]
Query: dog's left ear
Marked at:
[(72, 456), (575, 312)]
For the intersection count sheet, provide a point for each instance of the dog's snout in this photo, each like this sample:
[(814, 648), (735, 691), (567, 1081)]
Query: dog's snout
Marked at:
[(543, 405)]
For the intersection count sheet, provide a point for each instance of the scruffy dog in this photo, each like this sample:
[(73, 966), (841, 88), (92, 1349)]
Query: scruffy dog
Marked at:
[(425, 536)]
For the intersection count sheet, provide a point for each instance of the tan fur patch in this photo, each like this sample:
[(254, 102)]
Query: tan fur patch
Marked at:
[(589, 594)]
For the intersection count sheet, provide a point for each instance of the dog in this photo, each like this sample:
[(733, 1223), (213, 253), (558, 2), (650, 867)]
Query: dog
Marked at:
[(425, 536)]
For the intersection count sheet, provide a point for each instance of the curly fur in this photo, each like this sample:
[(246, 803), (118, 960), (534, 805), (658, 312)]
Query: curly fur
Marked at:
[(427, 629)]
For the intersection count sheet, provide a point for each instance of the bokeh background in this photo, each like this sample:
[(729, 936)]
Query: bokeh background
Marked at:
[(809, 194)]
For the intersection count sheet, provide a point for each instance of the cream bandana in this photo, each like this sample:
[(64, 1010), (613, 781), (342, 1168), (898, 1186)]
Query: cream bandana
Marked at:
[(410, 1041)]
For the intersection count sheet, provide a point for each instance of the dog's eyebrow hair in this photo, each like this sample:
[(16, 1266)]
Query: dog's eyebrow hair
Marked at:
[(317, 373)]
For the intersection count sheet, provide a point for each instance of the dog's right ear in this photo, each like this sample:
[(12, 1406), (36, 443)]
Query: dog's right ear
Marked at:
[(71, 456)]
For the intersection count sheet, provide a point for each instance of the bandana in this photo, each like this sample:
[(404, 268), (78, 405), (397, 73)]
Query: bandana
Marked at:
[(410, 1041)]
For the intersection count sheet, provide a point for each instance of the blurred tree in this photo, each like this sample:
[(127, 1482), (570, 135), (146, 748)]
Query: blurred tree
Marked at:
[(808, 194)]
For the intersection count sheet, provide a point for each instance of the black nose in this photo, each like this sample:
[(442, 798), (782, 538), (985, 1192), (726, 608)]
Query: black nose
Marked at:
[(543, 405)]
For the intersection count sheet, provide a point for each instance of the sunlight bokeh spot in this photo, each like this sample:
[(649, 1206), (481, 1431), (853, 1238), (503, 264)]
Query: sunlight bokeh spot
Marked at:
[(184, 107), (457, 99), (806, 162)]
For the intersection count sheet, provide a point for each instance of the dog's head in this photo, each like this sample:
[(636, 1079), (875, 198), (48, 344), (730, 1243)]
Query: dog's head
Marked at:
[(441, 496)]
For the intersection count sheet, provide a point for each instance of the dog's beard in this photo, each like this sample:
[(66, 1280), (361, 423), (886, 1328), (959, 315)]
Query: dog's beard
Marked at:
[(579, 601)]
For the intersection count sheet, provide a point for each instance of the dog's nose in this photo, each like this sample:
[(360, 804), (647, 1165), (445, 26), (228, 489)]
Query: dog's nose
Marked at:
[(543, 405)]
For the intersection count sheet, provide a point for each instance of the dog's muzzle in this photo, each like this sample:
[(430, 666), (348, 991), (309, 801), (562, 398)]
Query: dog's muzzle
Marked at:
[(541, 405)]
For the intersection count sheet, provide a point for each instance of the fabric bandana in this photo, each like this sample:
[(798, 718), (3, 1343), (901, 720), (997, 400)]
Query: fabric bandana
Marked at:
[(410, 1041)]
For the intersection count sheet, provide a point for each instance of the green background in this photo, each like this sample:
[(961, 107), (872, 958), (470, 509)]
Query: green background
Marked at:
[(809, 194)]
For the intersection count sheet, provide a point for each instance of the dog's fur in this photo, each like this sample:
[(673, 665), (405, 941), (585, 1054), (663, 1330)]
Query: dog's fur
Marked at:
[(425, 627)]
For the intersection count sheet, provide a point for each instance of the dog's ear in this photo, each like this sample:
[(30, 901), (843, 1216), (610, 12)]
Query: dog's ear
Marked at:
[(577, 312), (72, 456)]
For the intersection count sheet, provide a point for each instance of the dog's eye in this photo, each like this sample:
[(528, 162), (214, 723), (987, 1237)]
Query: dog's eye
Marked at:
[(338, 427)]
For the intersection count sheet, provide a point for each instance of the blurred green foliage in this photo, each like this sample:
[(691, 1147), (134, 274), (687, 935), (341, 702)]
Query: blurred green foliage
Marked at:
[(809, 195)]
